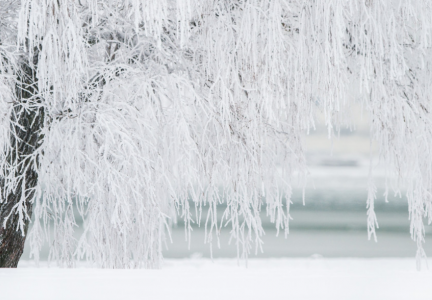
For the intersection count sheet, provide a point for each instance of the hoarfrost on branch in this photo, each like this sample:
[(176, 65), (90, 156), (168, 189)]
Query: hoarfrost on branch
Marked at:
[(149, 104)]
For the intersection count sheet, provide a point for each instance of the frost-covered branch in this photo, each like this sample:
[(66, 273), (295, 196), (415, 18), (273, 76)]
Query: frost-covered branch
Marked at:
[(151, 107)]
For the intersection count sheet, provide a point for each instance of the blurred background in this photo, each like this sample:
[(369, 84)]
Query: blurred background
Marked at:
[(333, 223)]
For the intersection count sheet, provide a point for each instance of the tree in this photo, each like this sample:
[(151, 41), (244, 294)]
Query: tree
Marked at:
[(128, 109)]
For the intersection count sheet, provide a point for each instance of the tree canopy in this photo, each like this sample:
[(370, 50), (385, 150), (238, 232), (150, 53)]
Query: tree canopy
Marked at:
[(135, 110)]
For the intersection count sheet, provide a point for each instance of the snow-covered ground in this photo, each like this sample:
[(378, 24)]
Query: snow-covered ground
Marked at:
[(223, 279)]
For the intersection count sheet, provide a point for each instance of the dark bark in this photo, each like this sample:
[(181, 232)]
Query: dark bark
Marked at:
[(27, 120)]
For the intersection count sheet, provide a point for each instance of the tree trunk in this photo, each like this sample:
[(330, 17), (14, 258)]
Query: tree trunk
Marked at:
[(26, 122)]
